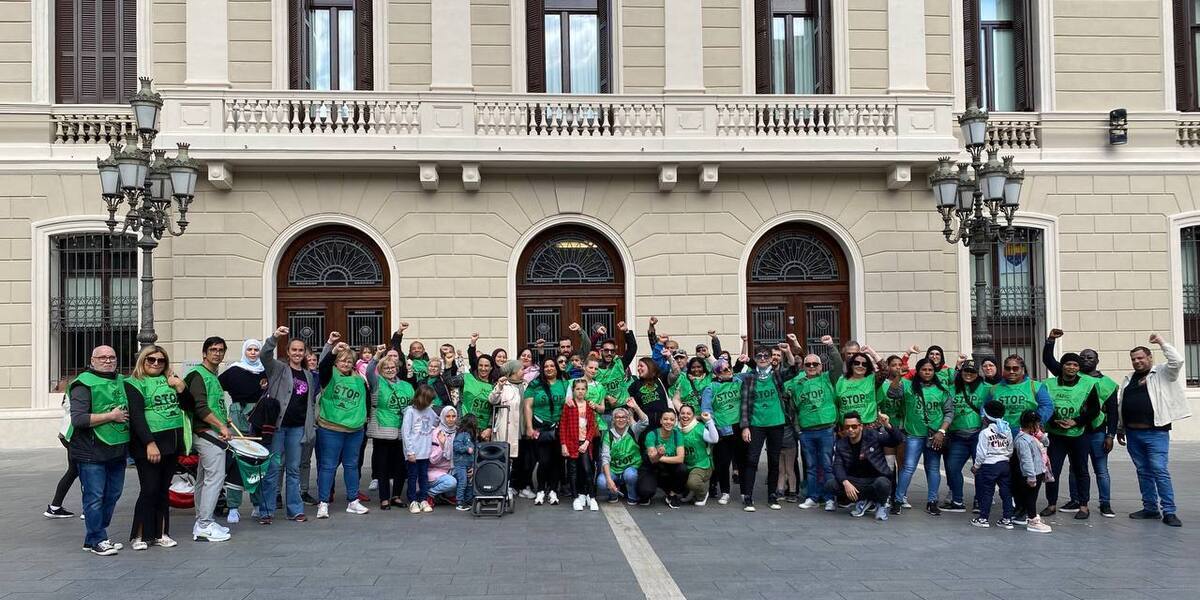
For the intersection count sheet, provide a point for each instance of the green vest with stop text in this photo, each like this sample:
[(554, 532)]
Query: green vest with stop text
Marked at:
[(214, 394), (923, 412), (162, 403), (107, 394), (1016, 398), (857, 395), (690, 390), (344, 401), (475, 400), (613, 378), (623, 452), (768, 406), (391, 398), (967, 406), (1068, 403), (726, 402), (814, 399), (697, 453)]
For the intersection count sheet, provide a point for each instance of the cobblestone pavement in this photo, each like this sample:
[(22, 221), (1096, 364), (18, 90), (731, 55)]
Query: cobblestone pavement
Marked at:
[(552, 552)]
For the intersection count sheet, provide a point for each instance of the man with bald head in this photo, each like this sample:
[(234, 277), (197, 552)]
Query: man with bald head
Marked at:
[(97, 440), (814, 404)]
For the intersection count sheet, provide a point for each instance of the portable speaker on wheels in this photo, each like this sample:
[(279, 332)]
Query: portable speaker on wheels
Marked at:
[(491, 479)]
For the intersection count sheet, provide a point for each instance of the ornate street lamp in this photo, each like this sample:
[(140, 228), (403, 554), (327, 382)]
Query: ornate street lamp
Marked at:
[(977, 203), (157, 193)]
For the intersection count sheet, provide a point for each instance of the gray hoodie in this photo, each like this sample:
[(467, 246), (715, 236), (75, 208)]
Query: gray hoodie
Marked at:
[(1028, 450), (995, 444)]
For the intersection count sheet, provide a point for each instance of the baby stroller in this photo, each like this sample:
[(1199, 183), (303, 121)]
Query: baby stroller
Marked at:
[(182, 493)]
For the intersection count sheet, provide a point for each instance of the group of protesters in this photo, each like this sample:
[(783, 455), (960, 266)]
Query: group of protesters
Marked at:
[(590, 420)]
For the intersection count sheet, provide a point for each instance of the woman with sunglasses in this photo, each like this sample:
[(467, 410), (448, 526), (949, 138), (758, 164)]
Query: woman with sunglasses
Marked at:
[(722, 399), (928, 410), (157, 399), (1018, 392), (856, 390), (963, 433), (543, 403), (763, 421)]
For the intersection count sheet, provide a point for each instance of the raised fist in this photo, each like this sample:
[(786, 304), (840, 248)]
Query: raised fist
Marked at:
[(828, 340), (281, 331), (1156, 339), (1056, 333), (621, 326), (573, 327), (334, 337), (403, 326), (653, 321)]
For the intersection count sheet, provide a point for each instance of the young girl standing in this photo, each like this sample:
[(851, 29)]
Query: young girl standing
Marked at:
[(464, 459), (417, 429), (576, 430)]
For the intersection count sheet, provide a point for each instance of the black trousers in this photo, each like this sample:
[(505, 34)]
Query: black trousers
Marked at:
[(872, 489), (772, 437), (388, 466), (672, 479), (730, 451), (522, 470), (1079, 450), (65, 483), (580, 475), (549, 462), (151, 513), (1024, 495)]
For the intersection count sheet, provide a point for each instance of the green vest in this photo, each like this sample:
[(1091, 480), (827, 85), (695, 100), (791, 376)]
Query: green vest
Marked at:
[(966, 408), (1105, 386), (1068, 403), (547, 408), (475, 400), (390, 401), (420, 368), (162, 403), (726, 402), (768, 406), (213, 392), (857, 395), (1016, 398), (690, 390), (344, 401), (814, 399), (613, 378), (894, 409), (923, 413), (622, 452), (107, 394), (697, 454), (669, 444)]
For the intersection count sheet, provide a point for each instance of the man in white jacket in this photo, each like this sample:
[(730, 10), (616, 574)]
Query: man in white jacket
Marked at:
[(1148, 401)]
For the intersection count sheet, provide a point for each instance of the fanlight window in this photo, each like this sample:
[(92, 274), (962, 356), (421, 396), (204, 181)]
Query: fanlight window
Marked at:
[(794, 257), (335, 261), (569, 259)]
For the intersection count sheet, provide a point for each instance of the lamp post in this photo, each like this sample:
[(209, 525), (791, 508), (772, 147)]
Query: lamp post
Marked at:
[(977, 203), (154, 192)]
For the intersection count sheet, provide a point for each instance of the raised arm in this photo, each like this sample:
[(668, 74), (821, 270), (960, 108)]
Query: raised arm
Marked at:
[(1052, 364), (630, 344), (472, 355), (267, 354)]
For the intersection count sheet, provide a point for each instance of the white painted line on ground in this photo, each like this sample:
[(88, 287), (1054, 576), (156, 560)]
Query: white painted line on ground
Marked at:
[(652, 575)]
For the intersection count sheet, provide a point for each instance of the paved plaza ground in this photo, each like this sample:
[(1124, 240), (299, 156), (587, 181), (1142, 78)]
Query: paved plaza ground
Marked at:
[(552, 552)]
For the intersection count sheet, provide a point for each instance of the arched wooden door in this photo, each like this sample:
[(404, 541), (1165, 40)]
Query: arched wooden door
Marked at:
[(568, 274), (334, 278), (798, 281)]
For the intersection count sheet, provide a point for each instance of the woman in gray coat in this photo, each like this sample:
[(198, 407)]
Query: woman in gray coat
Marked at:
[(293, 385)]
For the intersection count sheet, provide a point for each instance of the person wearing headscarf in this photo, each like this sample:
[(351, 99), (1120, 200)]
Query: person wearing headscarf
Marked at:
[(441, 455), (505, 399), (246, 383)]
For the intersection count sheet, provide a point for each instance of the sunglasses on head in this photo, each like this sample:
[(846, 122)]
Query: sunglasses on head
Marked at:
[(812, 364)]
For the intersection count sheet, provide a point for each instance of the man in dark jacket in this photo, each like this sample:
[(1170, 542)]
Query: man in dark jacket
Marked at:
[(860, 470), (97, 441), (763, 420)]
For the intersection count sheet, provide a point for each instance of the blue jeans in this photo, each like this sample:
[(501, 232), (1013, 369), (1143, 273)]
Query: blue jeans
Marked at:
[(101, 484), (464, 493), (914, 448), (1095, 442), (1148, 450), (285, 446), (335, 447), (816, 445), (959, 448), (626, 479), (418, 480), (441, 485), (987, 480)]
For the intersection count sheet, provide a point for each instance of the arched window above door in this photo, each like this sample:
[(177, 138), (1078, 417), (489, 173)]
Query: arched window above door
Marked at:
[(335, 261), (569, 258), (793, 256)]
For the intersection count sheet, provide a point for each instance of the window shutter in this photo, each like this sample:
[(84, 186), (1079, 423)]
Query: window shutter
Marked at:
[(109, 74), (535, 42), (364, 57), (66, 45), (762, 46), (298, 45), (129, 50), (603, 8), (971, 50), (1024, 62), (1185, 82), (824, 49)]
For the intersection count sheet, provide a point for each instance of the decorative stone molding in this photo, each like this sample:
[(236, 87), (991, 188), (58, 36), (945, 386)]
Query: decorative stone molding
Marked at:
[(471, 178), (427, 173), (668, 176), (220, 175), (708, 177)]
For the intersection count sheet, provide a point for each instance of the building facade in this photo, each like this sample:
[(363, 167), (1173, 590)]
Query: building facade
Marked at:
[(509, 167)]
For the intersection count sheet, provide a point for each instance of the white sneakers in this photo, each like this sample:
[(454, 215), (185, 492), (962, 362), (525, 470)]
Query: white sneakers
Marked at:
[(591, 504), (1035, 525), (138, 544), (553, 499), (323, 510), (356, 508), (527, 493), (808, 503), (414, 507), (723, 500), (830, 506), (539, 499), (209, 533), (104, 548), (426, 506), (165, 542), (578, 503), (702, 501), (374, 485), (233, 517)]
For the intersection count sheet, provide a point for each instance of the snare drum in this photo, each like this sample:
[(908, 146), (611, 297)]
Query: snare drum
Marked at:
[(246, 464)]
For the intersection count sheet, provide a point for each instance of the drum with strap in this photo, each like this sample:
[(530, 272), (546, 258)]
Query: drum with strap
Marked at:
[(245, 464)]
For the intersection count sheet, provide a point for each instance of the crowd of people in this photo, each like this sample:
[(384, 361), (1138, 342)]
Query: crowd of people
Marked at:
[(597, 423)]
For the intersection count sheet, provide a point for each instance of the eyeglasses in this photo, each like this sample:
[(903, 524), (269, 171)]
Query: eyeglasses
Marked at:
[(609, 350), (1013, 369), (105, 358), (853, 426), (217, 350), (812, 364), (761, 355), (155, 360)]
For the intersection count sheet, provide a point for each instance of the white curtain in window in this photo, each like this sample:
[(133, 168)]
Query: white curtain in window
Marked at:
[(585, 54), (554, 54), (804, 50)]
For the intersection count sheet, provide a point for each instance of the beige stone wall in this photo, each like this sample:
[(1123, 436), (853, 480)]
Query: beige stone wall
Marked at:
[(1108, 55), (491, 45), (250, 44), (16, 52), (642, 46), (868, 46), (722, 39), (938, 45), (409, 45), (169, 39)]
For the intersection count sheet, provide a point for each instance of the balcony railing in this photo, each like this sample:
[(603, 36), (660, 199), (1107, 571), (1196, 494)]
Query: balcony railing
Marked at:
[(1189, 133), (1015, 131), (84, 124)]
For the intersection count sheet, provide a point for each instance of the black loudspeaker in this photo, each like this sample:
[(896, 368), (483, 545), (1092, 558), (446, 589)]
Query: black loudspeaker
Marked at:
[(491, 470)]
